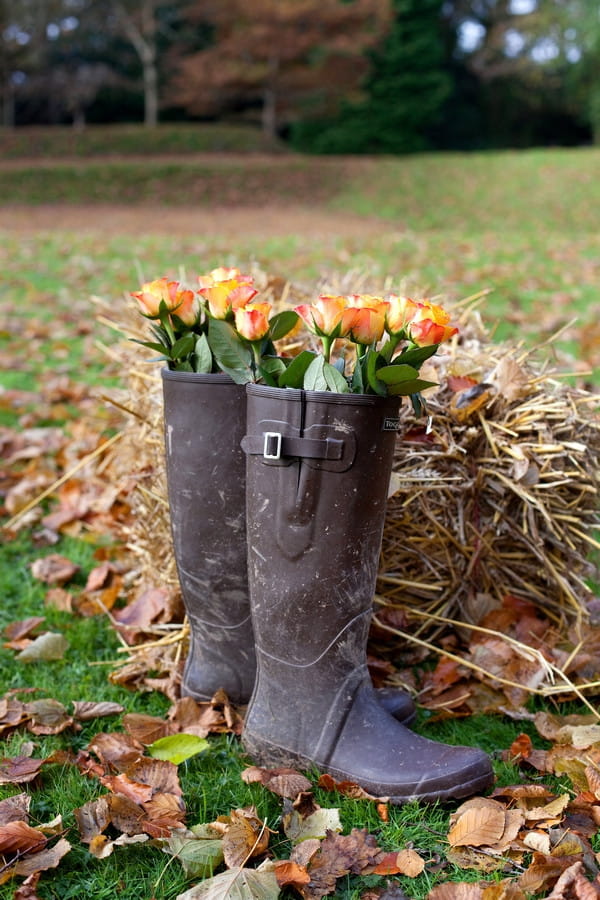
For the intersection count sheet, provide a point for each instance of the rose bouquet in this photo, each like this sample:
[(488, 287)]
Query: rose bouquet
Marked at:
[(221, 326)]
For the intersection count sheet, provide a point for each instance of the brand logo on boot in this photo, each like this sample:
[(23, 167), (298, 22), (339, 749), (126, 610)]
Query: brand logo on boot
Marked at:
[(391, 423)]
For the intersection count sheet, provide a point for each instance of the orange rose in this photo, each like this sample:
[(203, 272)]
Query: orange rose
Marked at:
[(427, 332), (401, 311), (363, 325), (324, 316), (252, 320), (225, 296), (181, 301)]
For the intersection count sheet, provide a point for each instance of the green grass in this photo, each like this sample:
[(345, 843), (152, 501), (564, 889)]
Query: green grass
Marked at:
[(525, 224), (131, 140)]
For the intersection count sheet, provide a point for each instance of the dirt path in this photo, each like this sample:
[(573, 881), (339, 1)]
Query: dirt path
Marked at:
[(270, 221)]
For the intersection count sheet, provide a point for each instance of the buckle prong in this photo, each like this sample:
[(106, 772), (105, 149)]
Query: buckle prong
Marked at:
[(270, 450)]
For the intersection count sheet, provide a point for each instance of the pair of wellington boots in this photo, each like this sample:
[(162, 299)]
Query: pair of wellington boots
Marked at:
[(278, 588)]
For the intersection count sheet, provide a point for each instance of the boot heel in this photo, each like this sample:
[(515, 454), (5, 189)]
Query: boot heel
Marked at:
[(271, 756)]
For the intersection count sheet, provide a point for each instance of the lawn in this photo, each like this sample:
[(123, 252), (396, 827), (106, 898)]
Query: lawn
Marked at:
[(525, 225)]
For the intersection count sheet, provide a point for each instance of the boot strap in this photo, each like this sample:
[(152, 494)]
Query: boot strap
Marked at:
[(274, 445)]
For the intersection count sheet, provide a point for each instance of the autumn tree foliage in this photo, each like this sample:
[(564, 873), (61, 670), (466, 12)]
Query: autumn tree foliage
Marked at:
[(280, 57)]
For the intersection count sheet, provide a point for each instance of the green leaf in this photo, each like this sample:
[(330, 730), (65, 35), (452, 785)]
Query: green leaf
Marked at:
[(282, 323), (375, 361), (177, 747), (203, 360), (184, 346), (270, 369), (199, 850), (160, 348), (335, 380), (405, 388), (395, 374), (415, 356), (231, 355), (314, 377), (293, 377), (358, 385)]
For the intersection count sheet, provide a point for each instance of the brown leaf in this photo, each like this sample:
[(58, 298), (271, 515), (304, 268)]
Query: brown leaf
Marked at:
[(28, 889), (54, 569), (403, 862), (92, 818), (102, 847), (165, 813), (122, 784), (245, 837), (19, 769), (284, 782), (339, 855), (290, 874), (47, 716), (125, 815), (147, 729), (347, 788), (147, 608), (19, 837), (573, 885), (160, 774), (520, 748), (17, 630), (456, 890), (48, 858), (15, 809), (117, 751), (477, 823), (59, 598), (543, 872), (99, 577), (84, 710)]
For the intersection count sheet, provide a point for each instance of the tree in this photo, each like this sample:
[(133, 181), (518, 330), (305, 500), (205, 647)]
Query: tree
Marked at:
[(405, 89), (277, 56)]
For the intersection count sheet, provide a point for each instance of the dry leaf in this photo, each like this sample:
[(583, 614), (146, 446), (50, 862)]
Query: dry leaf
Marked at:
[(47, 716), (478, 823), (92, 818), (54, 569), (15, 809), (147, 729), (84, 710), (235, 884), (455, 890), (284, 782), (48, 858), (122, 784), (19, 769), (290, 874), (246, 836), (48, 646), (404, 862), (102, 847), (348, 789), (339, 855), (117, 751), (19, 837)]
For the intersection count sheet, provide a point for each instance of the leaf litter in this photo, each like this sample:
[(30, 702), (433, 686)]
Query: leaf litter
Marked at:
[(540, 839)]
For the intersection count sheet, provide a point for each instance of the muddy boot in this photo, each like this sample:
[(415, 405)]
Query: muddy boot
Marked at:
[(318, 466), (206, 475)]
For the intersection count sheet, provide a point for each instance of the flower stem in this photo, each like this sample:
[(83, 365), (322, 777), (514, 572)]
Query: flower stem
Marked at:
[(327, 342)]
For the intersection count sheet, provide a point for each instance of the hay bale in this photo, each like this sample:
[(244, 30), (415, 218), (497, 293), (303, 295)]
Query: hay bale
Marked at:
[(497, 495)]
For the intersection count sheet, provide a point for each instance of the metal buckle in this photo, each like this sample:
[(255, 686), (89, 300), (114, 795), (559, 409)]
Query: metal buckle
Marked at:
[(268, 446)]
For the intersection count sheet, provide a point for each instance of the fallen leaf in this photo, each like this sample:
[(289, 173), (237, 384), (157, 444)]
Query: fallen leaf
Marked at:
[(284, 782), (92, 818), (28, 889), (147, 729), (48, 858), (572, 883), (15, 809), (59, 598), (102, 847), (290, 874), (123, 784), (48, 646), (19, 837), (478, 823), (15, 631), (246, 836), (19, 769), (164, 812), (200, 851), (347, 788), (236, 884), (85, 710), (160, 774), (125, 815), (47, 716), (176, 748), (54, 569), (117, 751), (312, 821), (456, 890), (339, 855)]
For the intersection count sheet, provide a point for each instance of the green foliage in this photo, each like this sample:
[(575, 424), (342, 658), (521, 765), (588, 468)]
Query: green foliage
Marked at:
[(406, 88)]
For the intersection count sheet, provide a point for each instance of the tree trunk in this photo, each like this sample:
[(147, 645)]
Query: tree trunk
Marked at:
[(269, 107), (143, 39)]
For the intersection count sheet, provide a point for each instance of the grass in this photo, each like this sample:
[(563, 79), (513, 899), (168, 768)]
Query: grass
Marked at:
[(525, 224), (109, 140)]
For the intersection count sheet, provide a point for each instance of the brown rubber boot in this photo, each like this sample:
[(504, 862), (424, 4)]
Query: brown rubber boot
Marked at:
[(318, 466), (206, 475), (205, 420)]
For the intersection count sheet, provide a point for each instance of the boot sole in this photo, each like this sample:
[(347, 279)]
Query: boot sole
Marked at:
[(273, 756)]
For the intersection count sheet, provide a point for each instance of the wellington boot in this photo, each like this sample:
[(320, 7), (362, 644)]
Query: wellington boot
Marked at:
[(204, 424), (205, 420), (318, 466)]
